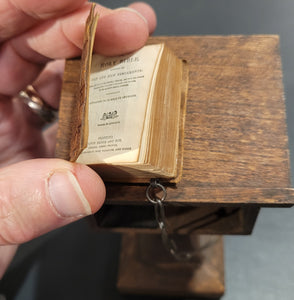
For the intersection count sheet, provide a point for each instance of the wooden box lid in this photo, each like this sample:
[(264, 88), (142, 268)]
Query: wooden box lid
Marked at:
[(236, 144)]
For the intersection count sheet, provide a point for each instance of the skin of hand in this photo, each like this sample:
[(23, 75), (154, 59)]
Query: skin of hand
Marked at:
[(37, 192)]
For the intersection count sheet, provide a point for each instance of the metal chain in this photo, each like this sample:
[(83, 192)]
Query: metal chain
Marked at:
[(160, 217)]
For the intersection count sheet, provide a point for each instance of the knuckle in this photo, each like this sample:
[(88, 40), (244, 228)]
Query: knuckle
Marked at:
[(14, 226), (12, 231)]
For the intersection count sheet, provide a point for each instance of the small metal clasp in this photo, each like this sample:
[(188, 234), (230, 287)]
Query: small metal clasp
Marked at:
[(154, 188)]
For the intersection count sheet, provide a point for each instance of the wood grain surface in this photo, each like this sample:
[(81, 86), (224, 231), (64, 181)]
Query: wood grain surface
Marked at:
[(236, 144), (147, 269)]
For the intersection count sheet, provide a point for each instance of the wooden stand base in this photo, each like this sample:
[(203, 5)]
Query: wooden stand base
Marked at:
[(147, 268)]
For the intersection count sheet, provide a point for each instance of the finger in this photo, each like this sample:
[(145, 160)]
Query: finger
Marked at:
[(63, 37), (49, 83), (55, 193), (147, 12), (18, 15), (122, 31), (49, 136), (21, 131), (19, 138), (118, 32), (16, 72)]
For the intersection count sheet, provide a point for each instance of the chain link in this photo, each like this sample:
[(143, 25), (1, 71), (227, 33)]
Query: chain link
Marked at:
[(161, 220)]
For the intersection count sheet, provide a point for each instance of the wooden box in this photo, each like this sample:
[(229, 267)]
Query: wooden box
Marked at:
[(236, 156), (235, 160)]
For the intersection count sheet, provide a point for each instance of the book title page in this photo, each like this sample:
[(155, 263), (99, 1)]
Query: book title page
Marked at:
[(118, 97)]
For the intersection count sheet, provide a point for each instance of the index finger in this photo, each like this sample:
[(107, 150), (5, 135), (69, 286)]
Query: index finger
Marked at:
[(119, 31), (19, 15)]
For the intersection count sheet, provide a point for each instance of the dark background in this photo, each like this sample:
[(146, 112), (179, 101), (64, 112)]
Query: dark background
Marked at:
[(78, 263)]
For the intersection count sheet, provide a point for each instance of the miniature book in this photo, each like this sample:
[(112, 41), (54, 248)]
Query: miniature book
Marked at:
[(123, 115)]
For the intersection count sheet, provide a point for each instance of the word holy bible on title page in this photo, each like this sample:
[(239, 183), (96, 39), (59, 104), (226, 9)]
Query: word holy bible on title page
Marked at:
[(124, 116)]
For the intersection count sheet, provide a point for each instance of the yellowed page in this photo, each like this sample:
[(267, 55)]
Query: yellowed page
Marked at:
[(118, 97)]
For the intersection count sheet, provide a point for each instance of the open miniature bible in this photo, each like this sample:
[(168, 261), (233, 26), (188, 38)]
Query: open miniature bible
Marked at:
[(123, 116)]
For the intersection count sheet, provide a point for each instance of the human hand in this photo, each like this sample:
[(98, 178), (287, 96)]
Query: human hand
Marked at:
[(37, 192)]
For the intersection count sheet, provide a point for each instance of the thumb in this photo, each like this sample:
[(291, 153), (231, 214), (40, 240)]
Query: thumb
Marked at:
[(39, 195)]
